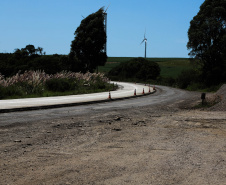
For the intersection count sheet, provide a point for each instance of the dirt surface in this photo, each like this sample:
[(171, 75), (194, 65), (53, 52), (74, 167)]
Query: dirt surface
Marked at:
[(165, 144)]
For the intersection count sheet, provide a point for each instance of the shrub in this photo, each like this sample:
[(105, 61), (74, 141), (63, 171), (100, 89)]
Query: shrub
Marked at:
[(98, 84), (60, 84), (137, 68), (2, 92), (187, 77), (36, 82), (168, 81), (12, 90)]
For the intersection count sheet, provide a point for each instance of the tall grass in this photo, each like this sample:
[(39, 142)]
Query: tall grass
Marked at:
[(38, 83)]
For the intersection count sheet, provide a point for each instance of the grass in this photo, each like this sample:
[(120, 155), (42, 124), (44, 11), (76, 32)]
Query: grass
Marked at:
[(32, 84), (170, 67), (173, 67)]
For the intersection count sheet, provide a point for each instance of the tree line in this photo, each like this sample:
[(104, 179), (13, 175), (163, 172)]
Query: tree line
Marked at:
[(31, 58), (86, 53)]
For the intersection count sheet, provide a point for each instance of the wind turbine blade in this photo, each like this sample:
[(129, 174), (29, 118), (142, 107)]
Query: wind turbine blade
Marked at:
[(142, 42), (107, 8)]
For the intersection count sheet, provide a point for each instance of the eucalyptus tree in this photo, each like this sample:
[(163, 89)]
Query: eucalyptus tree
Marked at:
[(207, 41), (87, 48)]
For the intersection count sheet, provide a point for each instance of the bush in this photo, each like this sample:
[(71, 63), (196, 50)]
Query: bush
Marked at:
[(168, 81), (138, 69), (38, 83), (29, 88), (187, 77), (60, 84), (98, 84), (12, 90), (2, 92)]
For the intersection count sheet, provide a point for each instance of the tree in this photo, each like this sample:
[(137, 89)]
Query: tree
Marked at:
[(20, 53), (207, 41), (30, 49), (27, 58), (87, 49), (136, 68), (39, 49)]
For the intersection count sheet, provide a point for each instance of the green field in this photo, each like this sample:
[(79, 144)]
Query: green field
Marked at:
[(170, 67)]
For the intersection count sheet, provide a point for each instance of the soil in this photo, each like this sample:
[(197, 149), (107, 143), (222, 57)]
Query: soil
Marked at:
[(167, 144)]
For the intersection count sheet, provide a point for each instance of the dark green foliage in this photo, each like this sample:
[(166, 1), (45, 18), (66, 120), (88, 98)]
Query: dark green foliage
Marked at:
[(60, 85), (28, 88), (170, 67), (207, 41), (20, 89), (137, 68), (2, 92), (30, 49), (55, 86), (30, 58), (12, 90), (50, 64), (169, 81), (99, 84), (187, 77), (87, 49)]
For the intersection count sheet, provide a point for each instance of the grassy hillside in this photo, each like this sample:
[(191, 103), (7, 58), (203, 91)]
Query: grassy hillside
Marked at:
[(170, 67)]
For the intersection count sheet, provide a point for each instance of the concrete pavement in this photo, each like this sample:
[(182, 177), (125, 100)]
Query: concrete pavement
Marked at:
[(126, 90)]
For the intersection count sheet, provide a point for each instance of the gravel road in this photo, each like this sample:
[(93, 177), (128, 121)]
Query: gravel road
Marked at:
[(163, 143)]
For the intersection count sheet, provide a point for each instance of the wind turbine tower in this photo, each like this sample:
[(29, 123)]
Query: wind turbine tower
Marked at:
[(105, 28), (145, 41)]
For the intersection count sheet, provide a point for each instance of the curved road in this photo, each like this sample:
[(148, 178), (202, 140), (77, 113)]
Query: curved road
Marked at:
[(162, 95), (125, 90)]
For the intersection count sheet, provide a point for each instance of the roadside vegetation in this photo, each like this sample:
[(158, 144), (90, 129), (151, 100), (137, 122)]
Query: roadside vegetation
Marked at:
[(38, 84), (136, 69), (175, 72)]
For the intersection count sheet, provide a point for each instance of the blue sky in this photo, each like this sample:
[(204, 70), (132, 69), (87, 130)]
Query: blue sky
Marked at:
[(51, 24)]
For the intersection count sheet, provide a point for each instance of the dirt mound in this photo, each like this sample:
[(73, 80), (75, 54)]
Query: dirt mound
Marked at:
[(222, 90), (221, 93)]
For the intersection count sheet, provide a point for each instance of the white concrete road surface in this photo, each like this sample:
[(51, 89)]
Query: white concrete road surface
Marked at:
[(126, 90)]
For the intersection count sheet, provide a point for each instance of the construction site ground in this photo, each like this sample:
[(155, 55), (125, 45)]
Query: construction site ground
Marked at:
[(171, 143)]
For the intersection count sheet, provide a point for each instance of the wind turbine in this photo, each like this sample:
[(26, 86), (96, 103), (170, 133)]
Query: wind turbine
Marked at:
[(145, 40), (105, 27)]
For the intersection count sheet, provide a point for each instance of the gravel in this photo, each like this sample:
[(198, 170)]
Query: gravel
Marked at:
[(219, 96), (163, 144)]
